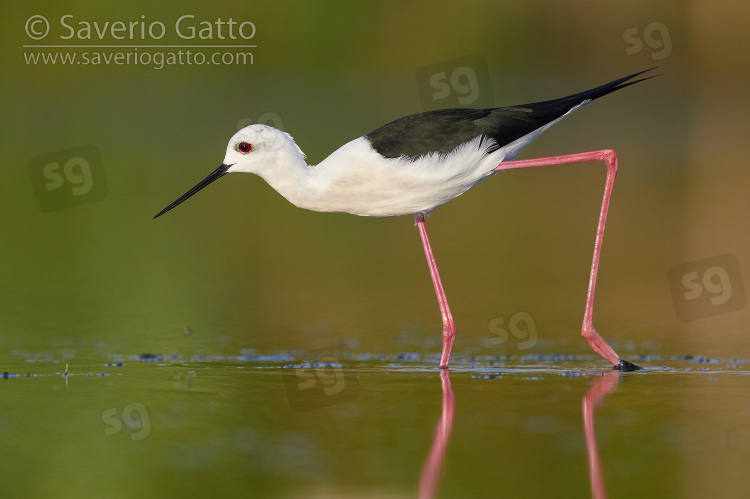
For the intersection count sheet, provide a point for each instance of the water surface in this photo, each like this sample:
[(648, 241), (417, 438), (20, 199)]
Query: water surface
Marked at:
[(350, 424)]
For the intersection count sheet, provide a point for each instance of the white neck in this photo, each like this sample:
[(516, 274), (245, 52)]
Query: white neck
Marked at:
[(286, 170), (329, 186)]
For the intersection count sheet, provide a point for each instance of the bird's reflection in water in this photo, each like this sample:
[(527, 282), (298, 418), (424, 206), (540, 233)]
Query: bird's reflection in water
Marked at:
[(432, 470), (429, 480), (603, 386)]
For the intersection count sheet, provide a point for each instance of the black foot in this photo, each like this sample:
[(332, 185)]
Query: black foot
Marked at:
[(626, 366)]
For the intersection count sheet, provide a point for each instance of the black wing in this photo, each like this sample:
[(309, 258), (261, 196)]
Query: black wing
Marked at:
[(443, 130)]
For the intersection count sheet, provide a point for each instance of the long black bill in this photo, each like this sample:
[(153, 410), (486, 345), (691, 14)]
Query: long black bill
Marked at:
[(216, 174)]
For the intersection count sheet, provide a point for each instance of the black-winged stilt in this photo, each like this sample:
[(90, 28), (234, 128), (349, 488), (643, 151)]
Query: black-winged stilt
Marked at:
[(417, 163)]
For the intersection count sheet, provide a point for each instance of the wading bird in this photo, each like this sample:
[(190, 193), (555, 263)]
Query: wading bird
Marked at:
[(417, 163)]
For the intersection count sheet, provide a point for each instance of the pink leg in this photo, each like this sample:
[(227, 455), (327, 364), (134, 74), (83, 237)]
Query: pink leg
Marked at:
[(610, 159), (449, 327)]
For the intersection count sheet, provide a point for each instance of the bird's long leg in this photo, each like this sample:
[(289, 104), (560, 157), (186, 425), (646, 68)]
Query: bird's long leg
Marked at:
[(449, 327), (609, 157)]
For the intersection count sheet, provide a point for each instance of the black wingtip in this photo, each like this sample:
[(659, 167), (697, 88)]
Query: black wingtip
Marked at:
[(622, 80), (612, 86)]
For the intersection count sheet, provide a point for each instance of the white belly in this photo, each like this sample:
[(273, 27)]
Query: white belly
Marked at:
[(355, 179)]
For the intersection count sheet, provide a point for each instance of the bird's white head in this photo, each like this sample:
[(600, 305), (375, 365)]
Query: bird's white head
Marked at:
[(259, 149)]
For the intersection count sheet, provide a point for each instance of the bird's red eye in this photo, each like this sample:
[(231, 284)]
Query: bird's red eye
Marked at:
[(244, 147)]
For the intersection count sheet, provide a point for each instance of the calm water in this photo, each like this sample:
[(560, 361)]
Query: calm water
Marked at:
[(350, 424)]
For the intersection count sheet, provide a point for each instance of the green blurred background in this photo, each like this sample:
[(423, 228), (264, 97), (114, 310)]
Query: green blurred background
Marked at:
[(240, 263), (244, 269)]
